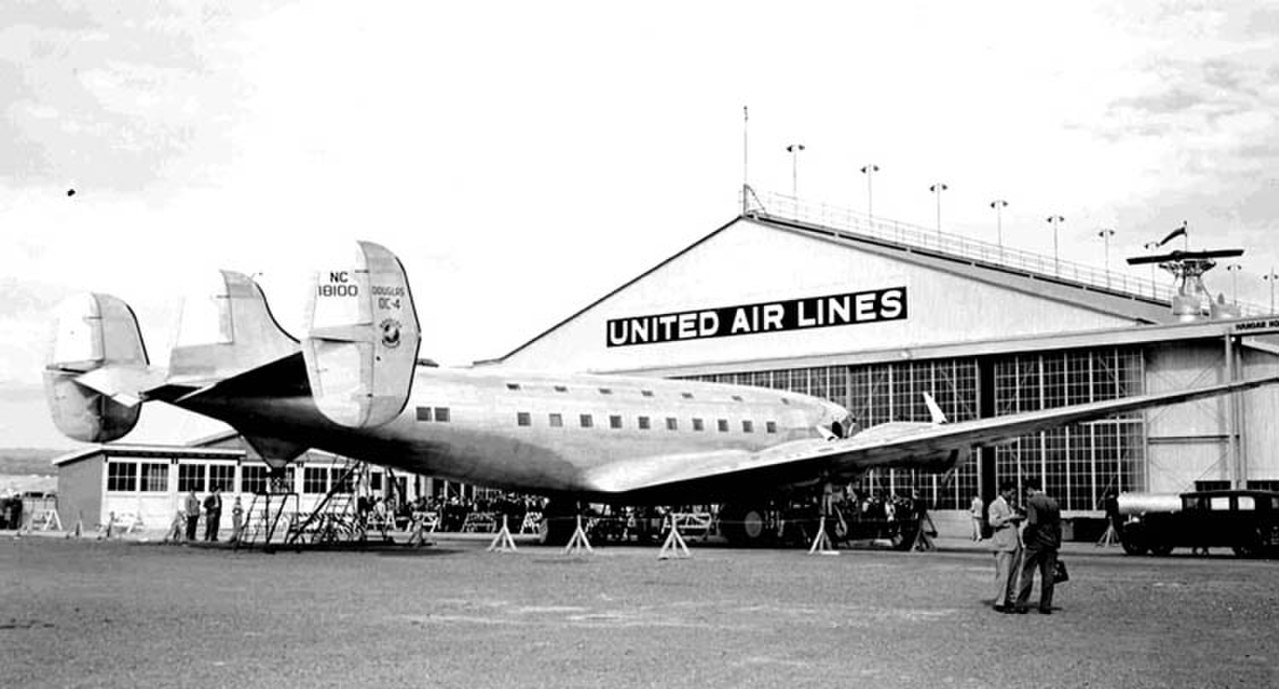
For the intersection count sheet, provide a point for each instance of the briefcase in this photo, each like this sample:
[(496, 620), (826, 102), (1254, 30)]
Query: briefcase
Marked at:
[(1060, 575)]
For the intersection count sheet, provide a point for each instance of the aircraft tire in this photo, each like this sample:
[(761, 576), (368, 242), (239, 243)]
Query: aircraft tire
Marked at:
[(557, 525), (744, 526)]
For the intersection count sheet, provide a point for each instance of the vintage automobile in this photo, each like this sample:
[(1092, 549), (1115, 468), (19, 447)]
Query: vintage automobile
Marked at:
[(1246, 521)]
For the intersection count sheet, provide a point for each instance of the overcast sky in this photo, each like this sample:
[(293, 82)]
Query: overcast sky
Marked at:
[(525, 158)]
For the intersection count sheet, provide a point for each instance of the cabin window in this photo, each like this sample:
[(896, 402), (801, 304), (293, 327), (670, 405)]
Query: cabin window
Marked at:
[(557, 420), (646, 393), (606, 391), (122, 476), (442, 414), (737, 398), (686, 395), (523, 418), (155, 478), (643, 423), (587, 421), (698, 425), (1219, 502), (770, 426), (672, 424), (748, 426), (785, 401), (222, 476), (512, 386), (423, 413), (561, 388), (722, 424), (614, 421), (190, 477), (1245, 502)]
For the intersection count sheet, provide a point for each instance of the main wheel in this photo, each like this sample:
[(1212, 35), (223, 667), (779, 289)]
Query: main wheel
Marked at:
[(559, 521), (744, 525)]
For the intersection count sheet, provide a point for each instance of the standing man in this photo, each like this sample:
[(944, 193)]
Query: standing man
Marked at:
[(1007, 545), (193, 514), (213, 514), (976, 511), (1042, 539)]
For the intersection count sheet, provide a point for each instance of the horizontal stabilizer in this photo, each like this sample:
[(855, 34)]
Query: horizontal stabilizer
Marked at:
[(361, 349)]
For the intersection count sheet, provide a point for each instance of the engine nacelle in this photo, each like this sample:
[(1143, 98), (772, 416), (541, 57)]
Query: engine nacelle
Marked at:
[(92, 331), (361, 349)]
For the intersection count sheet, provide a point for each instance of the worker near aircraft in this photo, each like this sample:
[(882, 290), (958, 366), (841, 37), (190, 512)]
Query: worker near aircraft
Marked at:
[(1042, 539), (1006, 542), (193, 514), (975, 512)]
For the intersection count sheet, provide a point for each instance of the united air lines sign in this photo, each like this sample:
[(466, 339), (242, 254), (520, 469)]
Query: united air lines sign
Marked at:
[(766, 317)]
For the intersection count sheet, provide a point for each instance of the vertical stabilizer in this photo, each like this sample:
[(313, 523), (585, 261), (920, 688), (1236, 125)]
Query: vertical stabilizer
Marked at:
[(226, 329), (361, 348)]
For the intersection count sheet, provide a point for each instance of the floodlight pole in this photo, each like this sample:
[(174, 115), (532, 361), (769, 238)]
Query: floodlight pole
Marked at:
[(1234, 269), (999, 205), (794, 150), (1055, 220), (1154, 287), (937, 189), (1271, 277), (1106, 233), (869, 170)]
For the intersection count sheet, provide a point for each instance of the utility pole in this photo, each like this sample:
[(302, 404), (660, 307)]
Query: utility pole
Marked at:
[(937, 189), (1234, 269), (1055, 220), (869, 170), (1271, 277)]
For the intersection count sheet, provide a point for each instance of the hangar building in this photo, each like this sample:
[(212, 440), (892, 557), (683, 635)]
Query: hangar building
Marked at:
[(871, 314)]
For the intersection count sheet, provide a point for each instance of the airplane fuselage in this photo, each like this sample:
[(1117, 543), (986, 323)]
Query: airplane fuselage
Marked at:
[(538, 432)]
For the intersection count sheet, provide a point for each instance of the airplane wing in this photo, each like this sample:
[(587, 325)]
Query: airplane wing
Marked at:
[(927, 446)]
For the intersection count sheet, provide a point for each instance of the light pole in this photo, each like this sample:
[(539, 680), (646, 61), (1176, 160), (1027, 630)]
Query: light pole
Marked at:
[(1234, 269), (937, 189), (1154, 287), (1055, 220), (999, 205), (869, 170), (794, 150), (1106, 233), (1271, 277)]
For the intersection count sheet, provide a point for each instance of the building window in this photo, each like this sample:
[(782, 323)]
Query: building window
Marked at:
[(587, 421), (748, 426), (423, 413), (557, 420), (615, 421), (343, 480), (672, 424), (523, 418), (222, 476), (191, 478), (155, 478), (442, 414), (315, 480), (122, 476), (722, 424), (643, 423), (698, 425), (253, 478), (770, 426)]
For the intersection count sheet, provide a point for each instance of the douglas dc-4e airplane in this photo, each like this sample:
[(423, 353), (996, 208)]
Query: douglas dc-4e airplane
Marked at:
[(354, 386)]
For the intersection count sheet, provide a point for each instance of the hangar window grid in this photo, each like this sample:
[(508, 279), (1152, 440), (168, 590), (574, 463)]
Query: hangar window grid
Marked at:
[(153, 477), (191, 477), (122, 477)]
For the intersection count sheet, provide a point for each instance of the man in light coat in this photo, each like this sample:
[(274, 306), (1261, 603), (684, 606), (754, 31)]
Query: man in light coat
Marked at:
[(1007, 545)]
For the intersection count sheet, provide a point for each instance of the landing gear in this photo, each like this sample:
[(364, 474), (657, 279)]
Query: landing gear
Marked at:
[(745, 524), (559, 520)]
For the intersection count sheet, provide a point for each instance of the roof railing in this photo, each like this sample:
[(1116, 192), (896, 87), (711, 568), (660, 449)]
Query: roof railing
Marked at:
[(771, 205)]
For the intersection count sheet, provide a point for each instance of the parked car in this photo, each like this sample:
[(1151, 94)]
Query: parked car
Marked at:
[(1246, 521)]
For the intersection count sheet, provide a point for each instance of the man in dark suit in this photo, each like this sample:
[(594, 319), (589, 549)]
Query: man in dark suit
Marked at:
[(1041, 539)]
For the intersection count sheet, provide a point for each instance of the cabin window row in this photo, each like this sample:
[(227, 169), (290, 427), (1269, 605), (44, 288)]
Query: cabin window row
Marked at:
[(643, 423), (609, 391)]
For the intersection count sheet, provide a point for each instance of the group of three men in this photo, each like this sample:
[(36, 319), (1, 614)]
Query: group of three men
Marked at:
[(1017, 555)]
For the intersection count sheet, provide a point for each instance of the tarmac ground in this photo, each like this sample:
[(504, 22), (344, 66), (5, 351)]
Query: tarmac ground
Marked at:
[(86, 613)]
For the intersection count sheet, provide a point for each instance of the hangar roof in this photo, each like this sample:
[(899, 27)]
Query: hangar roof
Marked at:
[(1128, 306)]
